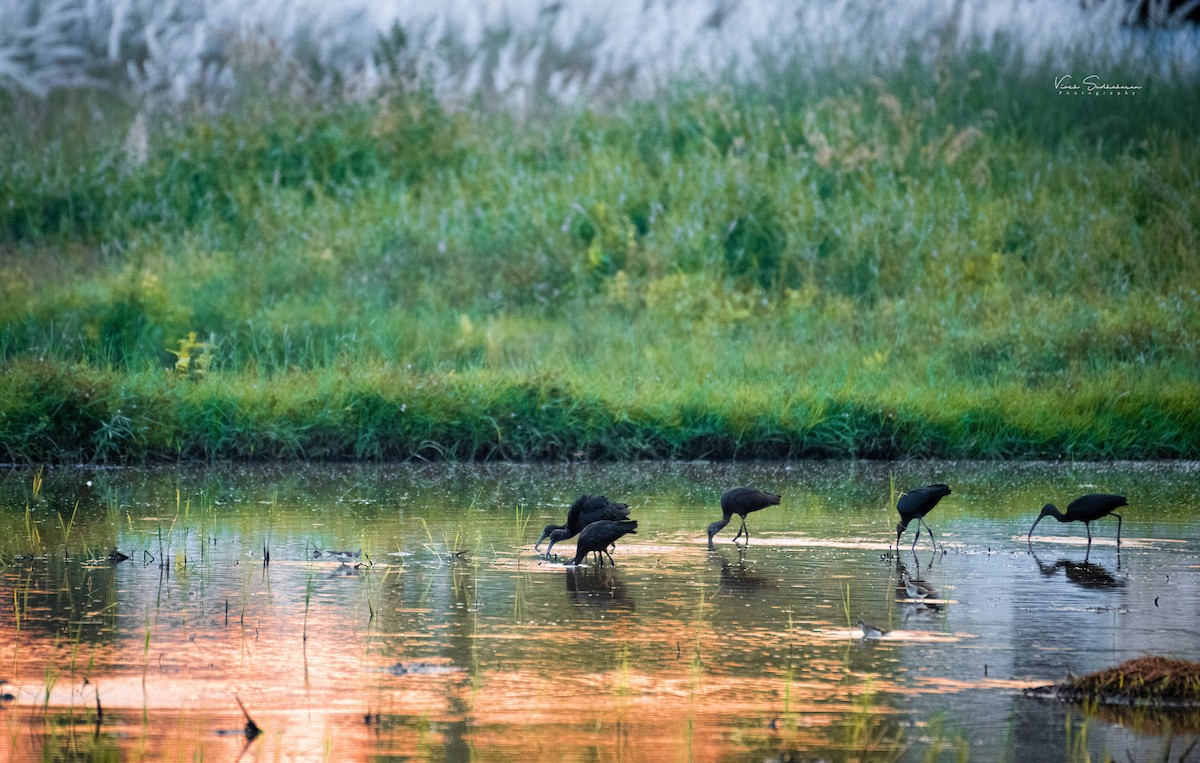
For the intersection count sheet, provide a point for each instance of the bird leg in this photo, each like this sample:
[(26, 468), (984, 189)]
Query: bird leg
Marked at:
[(1118, 516), (931, 539), (611, 563), (1088, 526), (745, 530)]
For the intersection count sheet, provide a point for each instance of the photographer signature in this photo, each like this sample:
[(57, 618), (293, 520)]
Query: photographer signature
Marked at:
[(1092, 85)]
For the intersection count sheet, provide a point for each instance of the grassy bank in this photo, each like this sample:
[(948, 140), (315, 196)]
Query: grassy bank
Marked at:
[(943, 258), (55, 413)]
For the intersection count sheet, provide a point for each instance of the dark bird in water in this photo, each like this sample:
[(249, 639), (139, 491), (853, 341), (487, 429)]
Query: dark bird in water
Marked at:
[(586, 510), (598, 536), (915, 504), (1084, 509), (740, 501)]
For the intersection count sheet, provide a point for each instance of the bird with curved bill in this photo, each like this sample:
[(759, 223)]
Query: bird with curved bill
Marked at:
[(1086, 509), (586, 510), (598, 536), (740, 501), (915, 504)]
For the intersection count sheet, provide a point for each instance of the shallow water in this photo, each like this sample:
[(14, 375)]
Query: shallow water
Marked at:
[(453, 639)]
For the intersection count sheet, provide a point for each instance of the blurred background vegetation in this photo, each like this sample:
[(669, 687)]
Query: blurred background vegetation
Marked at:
[(507, 241)]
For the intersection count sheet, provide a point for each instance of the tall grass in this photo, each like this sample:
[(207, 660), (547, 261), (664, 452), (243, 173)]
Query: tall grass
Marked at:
[(935, 255)]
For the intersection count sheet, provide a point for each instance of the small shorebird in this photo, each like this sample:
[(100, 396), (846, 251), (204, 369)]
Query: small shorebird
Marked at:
[(870, 631), (914, 589), (345, 557)]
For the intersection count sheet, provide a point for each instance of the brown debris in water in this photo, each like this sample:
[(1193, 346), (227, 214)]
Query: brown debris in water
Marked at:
[(1143, 681)]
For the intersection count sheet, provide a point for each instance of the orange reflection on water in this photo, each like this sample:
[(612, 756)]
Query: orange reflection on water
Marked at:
[(504, 714), (678, 653)]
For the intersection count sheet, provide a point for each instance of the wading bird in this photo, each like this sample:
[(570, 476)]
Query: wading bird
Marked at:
[(740, 501), (586, 510), (598, 536), (914, 589), (915, 504), (870, 631), (1084, 509), (345, 557)]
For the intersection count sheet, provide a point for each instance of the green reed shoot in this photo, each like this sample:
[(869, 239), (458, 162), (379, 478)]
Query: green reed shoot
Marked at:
[(868, 736), (521, 517), (48, 682), (146, 651), (1077, 739), (66, 527), (31, 531), (37, 483), (454, 547), (308, 589)]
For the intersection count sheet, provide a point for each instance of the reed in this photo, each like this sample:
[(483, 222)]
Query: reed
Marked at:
[(308, 589)]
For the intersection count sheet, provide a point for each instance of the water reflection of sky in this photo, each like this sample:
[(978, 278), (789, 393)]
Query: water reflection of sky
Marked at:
[(460, 640)]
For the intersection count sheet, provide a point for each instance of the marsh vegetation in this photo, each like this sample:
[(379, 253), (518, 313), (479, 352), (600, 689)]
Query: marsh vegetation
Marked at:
[(916, 247)]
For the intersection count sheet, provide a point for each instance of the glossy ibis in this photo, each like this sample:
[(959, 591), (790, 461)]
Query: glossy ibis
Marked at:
[(740, 501), (586, 510), (915, 504), (1084, 509), (599, 535)]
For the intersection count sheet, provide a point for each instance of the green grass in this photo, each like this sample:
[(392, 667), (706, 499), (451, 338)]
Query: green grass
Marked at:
[(931, 260)]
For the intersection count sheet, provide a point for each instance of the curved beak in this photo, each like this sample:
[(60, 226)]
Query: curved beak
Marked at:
[(1029, 538)]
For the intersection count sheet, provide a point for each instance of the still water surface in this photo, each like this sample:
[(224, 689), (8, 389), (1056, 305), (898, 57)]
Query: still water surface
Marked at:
[(457, 641)]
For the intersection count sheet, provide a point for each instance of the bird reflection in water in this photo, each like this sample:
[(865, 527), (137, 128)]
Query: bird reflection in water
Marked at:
[(1084, 574), (737, 576), (343, 571), (914, 591), (597, 587)]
